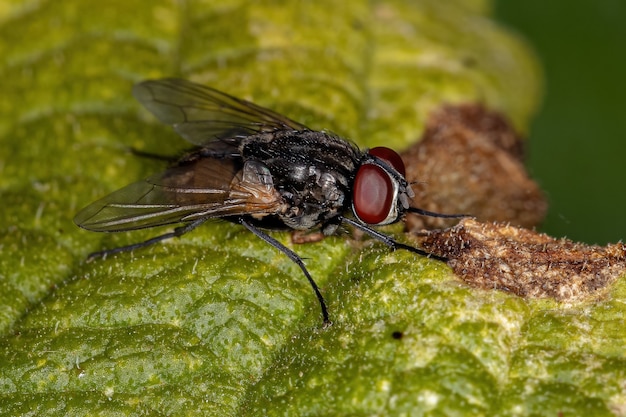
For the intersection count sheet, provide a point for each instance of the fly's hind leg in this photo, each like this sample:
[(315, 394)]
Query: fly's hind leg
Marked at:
[(155, 156), (179, 231)]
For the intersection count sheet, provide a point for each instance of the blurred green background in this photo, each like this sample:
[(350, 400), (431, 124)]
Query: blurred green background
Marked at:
[(577, 147)]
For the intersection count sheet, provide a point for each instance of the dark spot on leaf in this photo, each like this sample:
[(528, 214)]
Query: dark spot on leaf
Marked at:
[(470, 160), (397, 335), (524, 262)]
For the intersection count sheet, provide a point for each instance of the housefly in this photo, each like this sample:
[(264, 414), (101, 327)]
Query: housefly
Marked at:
[(257, 168)]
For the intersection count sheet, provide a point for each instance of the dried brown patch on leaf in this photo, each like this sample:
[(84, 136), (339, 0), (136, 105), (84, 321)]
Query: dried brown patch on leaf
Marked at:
[(470, 160), (524, 262)]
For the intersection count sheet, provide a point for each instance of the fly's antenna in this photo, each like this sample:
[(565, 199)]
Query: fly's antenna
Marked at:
[(434, 214)]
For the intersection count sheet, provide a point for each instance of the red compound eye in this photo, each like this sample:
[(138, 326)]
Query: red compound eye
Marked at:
[(390, 156), (373, 194)]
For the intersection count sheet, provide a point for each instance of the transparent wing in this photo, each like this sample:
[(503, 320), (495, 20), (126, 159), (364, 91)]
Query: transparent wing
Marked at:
[(206, 187), (202, 114)]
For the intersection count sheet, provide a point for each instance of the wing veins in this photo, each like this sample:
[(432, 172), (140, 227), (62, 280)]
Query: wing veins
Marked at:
[(183, 103)]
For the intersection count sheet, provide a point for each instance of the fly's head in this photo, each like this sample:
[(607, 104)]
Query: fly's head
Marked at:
[(380, 194)]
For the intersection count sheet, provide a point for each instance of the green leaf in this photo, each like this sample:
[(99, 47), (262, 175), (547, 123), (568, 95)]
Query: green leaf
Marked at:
[(218, 322)]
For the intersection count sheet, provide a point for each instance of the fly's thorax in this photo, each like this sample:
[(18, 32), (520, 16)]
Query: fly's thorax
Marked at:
[(311, 170), (287, 151)]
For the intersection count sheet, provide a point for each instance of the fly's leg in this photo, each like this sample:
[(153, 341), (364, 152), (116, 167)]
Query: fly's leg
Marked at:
[(179, 231), (294, 258), (155, 156), (389, 241)]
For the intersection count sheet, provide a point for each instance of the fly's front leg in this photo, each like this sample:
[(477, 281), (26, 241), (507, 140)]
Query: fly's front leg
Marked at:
[(389, 241)]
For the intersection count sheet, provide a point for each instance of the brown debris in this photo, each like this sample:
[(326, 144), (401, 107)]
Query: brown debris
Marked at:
[(470, 161), (524, 262)]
